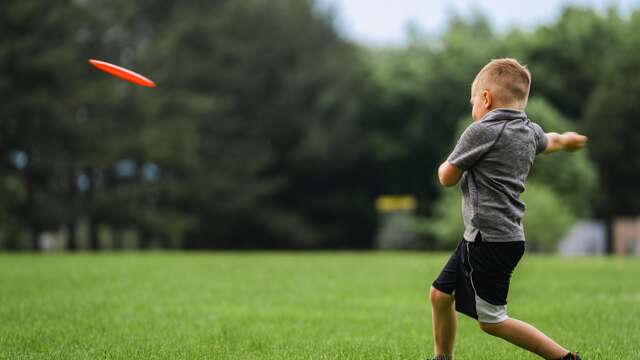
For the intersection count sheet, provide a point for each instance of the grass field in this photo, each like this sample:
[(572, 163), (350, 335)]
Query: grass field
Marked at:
[(293, 306)]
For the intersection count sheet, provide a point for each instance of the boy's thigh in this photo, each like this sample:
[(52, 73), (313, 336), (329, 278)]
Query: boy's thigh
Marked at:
[(450, 274), (492, 265)]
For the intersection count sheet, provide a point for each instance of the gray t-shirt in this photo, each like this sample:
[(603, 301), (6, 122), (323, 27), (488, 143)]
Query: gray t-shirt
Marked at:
[(496, 154)]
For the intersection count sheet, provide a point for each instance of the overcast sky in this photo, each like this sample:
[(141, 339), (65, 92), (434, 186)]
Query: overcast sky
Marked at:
[(379, 22)]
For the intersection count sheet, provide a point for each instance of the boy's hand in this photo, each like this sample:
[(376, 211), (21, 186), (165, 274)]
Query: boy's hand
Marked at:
[(574, 141), (569, 141)]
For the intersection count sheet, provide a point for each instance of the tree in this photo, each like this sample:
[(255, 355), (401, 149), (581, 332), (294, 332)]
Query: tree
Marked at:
[(11, 195), (567, 56), (611, 122), (273, 94), (35, 58), (420, 93), (571, 176)]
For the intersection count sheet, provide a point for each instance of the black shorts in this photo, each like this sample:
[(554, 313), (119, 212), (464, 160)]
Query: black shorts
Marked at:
[(478, 275)]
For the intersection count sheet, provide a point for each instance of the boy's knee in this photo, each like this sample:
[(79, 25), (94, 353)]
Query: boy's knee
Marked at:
[(490, 328), (439, 298)]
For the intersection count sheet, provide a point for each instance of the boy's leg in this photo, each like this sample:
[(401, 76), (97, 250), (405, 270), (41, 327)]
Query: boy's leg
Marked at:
[(444, 322), (525, 336), (491, 265)]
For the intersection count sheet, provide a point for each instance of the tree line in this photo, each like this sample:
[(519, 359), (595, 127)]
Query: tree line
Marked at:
[(268, 129)]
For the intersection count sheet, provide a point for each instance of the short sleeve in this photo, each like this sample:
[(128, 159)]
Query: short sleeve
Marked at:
[(542, 142), (473, 144)]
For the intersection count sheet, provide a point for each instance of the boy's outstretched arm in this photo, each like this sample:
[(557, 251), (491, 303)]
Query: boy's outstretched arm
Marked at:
[(569, 141), (449, 174)]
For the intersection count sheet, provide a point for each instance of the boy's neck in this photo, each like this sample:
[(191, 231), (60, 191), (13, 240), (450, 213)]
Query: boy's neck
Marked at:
[(507, 107)]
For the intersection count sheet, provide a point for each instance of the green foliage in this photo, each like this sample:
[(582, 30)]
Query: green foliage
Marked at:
[(445, 228), (575, 61), (418, 94), (611, 121), (35, 88), (548, 217), (254, 127), (266, 121), (12, 193), (277, 142), (571, 176), (566, 57)]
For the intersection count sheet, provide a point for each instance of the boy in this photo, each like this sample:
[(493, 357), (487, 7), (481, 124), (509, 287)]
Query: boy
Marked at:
[(492, 160)]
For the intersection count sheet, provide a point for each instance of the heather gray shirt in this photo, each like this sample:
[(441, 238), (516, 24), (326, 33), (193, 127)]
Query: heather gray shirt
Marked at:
[(496, 154)]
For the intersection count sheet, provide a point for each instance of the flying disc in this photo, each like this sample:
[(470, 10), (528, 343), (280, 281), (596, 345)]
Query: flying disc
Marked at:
[(122, 73)]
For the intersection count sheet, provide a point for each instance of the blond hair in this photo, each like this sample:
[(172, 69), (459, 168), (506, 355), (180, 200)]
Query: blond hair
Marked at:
[(508, 81)]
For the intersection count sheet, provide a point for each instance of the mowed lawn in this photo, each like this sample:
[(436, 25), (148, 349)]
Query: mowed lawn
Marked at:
[(293, 306)]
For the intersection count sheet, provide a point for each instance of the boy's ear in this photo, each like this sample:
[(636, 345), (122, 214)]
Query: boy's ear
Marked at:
[(487, 99)]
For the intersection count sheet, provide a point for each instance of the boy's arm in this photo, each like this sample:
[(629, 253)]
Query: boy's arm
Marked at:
[(569, 141), (448, 174)]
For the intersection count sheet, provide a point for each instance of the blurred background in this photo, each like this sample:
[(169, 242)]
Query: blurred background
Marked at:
[(299, 124)]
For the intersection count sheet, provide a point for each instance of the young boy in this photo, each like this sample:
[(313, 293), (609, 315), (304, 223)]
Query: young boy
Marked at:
[(491, 161)]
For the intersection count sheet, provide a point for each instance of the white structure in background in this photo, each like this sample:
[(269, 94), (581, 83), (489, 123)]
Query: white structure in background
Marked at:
[(52, 240), (585, 238)]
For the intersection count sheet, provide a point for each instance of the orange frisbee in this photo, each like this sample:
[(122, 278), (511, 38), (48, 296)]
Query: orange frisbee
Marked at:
[(122, 73)]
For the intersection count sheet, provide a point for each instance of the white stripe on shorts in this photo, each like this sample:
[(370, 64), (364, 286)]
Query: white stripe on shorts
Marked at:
[(489, 313)]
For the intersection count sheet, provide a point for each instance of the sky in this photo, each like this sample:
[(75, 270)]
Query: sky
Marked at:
[(384, 22)]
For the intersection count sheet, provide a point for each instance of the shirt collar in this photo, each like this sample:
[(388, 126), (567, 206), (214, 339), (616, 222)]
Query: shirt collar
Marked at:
[(504, 114)]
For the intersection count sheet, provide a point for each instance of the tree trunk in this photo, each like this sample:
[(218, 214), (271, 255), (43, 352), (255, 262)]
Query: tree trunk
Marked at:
[(118, 237), (609, 235), (94, 244), (35, 234), (34, 231), (12, 241), (144, 239), (72, 241), (92, 221)]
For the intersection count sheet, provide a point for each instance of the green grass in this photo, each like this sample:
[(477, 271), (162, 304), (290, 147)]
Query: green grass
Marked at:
[(293, 306)]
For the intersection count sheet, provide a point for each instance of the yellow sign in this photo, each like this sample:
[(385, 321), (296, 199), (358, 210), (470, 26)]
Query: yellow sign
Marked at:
[(396, 203)]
